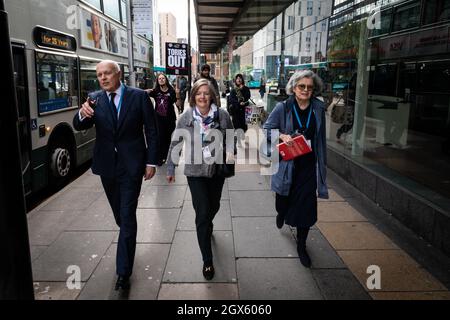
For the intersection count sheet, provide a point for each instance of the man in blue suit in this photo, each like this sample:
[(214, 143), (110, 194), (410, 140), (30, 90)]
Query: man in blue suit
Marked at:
[(125, 151)]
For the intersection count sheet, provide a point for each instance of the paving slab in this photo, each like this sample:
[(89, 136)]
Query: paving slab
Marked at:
[(259, 237), (97, 217), (275, 279), (222, 221), (338, 212), (433, 295), (72, 199), (161, 180), (399, 272), (157, 225), (82, 249), (37, 251), (146, 279), (90, 181), (185, 260), (333, 197), (156, 197), (55, 291), (252, 204), (44, 227), (354, 236), (323, 256), (199, 291), (339, 284), (246, 181)]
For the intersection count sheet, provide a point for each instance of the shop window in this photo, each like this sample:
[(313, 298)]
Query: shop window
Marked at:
[(383, 80)]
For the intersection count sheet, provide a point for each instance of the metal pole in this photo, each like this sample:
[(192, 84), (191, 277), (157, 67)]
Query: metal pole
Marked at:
[(132, 79), (190, 51), (16, 281)]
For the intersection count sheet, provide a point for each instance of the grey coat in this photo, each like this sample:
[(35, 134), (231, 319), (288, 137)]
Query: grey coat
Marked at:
[(187, 125), (282, 118)]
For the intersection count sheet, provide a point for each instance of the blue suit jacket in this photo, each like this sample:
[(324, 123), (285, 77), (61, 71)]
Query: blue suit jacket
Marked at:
[(133, 135)]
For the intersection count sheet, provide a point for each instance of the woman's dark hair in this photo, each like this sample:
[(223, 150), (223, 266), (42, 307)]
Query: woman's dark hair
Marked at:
[(157, 87), (239, 76)]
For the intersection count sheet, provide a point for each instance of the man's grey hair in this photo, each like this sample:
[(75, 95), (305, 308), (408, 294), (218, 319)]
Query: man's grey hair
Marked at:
[(299, 75), (114, 63)]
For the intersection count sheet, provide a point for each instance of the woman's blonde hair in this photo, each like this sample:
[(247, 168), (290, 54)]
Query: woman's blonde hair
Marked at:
[(196, 87)]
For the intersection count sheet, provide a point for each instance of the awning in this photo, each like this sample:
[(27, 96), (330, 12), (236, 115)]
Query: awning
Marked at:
[(218, 19)]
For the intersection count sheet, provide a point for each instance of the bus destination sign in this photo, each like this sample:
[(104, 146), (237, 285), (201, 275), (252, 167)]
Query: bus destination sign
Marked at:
[(51, 39)]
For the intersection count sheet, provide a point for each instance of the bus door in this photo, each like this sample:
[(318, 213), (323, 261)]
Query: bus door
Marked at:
[(21, 82)]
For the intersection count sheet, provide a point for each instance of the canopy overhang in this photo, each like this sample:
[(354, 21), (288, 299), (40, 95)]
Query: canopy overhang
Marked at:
[(219, 20)]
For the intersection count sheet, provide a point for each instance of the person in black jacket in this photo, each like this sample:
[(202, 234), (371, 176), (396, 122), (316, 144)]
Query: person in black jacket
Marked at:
[(126, 149), (238, 101), (165, 97)]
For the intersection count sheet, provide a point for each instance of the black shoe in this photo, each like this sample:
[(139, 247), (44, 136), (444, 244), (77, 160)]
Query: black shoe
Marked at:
[(280, 221), (122, 283), (303, 255), (208, 271)]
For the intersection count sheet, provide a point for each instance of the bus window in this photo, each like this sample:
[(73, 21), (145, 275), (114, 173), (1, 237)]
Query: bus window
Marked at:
[(57, 79), (385, 19), (436, 10), (88, 77), (407, 16)]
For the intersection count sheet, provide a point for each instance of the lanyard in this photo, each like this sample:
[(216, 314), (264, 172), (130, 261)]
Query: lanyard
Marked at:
[(120, 101), (298, 118)]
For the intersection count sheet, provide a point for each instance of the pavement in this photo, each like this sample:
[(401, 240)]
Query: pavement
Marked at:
[(353, 256)]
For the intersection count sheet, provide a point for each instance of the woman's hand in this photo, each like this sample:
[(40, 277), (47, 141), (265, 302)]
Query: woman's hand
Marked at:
[(170, 179), (287, 139)]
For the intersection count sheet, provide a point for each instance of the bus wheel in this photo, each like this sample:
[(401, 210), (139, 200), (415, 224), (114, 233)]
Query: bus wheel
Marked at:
[(60, 163)]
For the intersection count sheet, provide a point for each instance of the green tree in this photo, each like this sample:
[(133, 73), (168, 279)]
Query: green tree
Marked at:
[(345, 41)]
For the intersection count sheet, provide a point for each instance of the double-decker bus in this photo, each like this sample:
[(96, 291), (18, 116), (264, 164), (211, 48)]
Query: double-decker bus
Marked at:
[(409, 84), (56, 45)]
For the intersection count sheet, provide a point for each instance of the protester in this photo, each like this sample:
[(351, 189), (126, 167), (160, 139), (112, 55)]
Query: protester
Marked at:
[(205, 74), (238, 101), (165, 97)]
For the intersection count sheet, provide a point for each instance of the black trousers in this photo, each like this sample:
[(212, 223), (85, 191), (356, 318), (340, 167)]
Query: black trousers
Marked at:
[(206, 194), (123, 192)]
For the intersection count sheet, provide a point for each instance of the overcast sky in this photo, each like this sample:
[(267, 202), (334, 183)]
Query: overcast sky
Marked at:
[(179, 9)]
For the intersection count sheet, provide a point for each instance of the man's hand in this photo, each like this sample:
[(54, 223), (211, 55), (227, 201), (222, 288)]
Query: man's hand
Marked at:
[(86, 111), (149, 173), (170, 179)]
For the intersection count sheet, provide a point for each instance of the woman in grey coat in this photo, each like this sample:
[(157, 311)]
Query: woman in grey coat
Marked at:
[(199, 131), (298, 182)]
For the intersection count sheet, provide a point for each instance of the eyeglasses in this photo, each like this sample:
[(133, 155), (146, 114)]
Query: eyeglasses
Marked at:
[(304, 87)]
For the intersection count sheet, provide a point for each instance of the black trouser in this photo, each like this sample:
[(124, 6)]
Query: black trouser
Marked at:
[(123, 193), (206, 194)]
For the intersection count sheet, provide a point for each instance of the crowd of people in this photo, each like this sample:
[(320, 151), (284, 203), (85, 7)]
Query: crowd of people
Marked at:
[(138, 131)]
